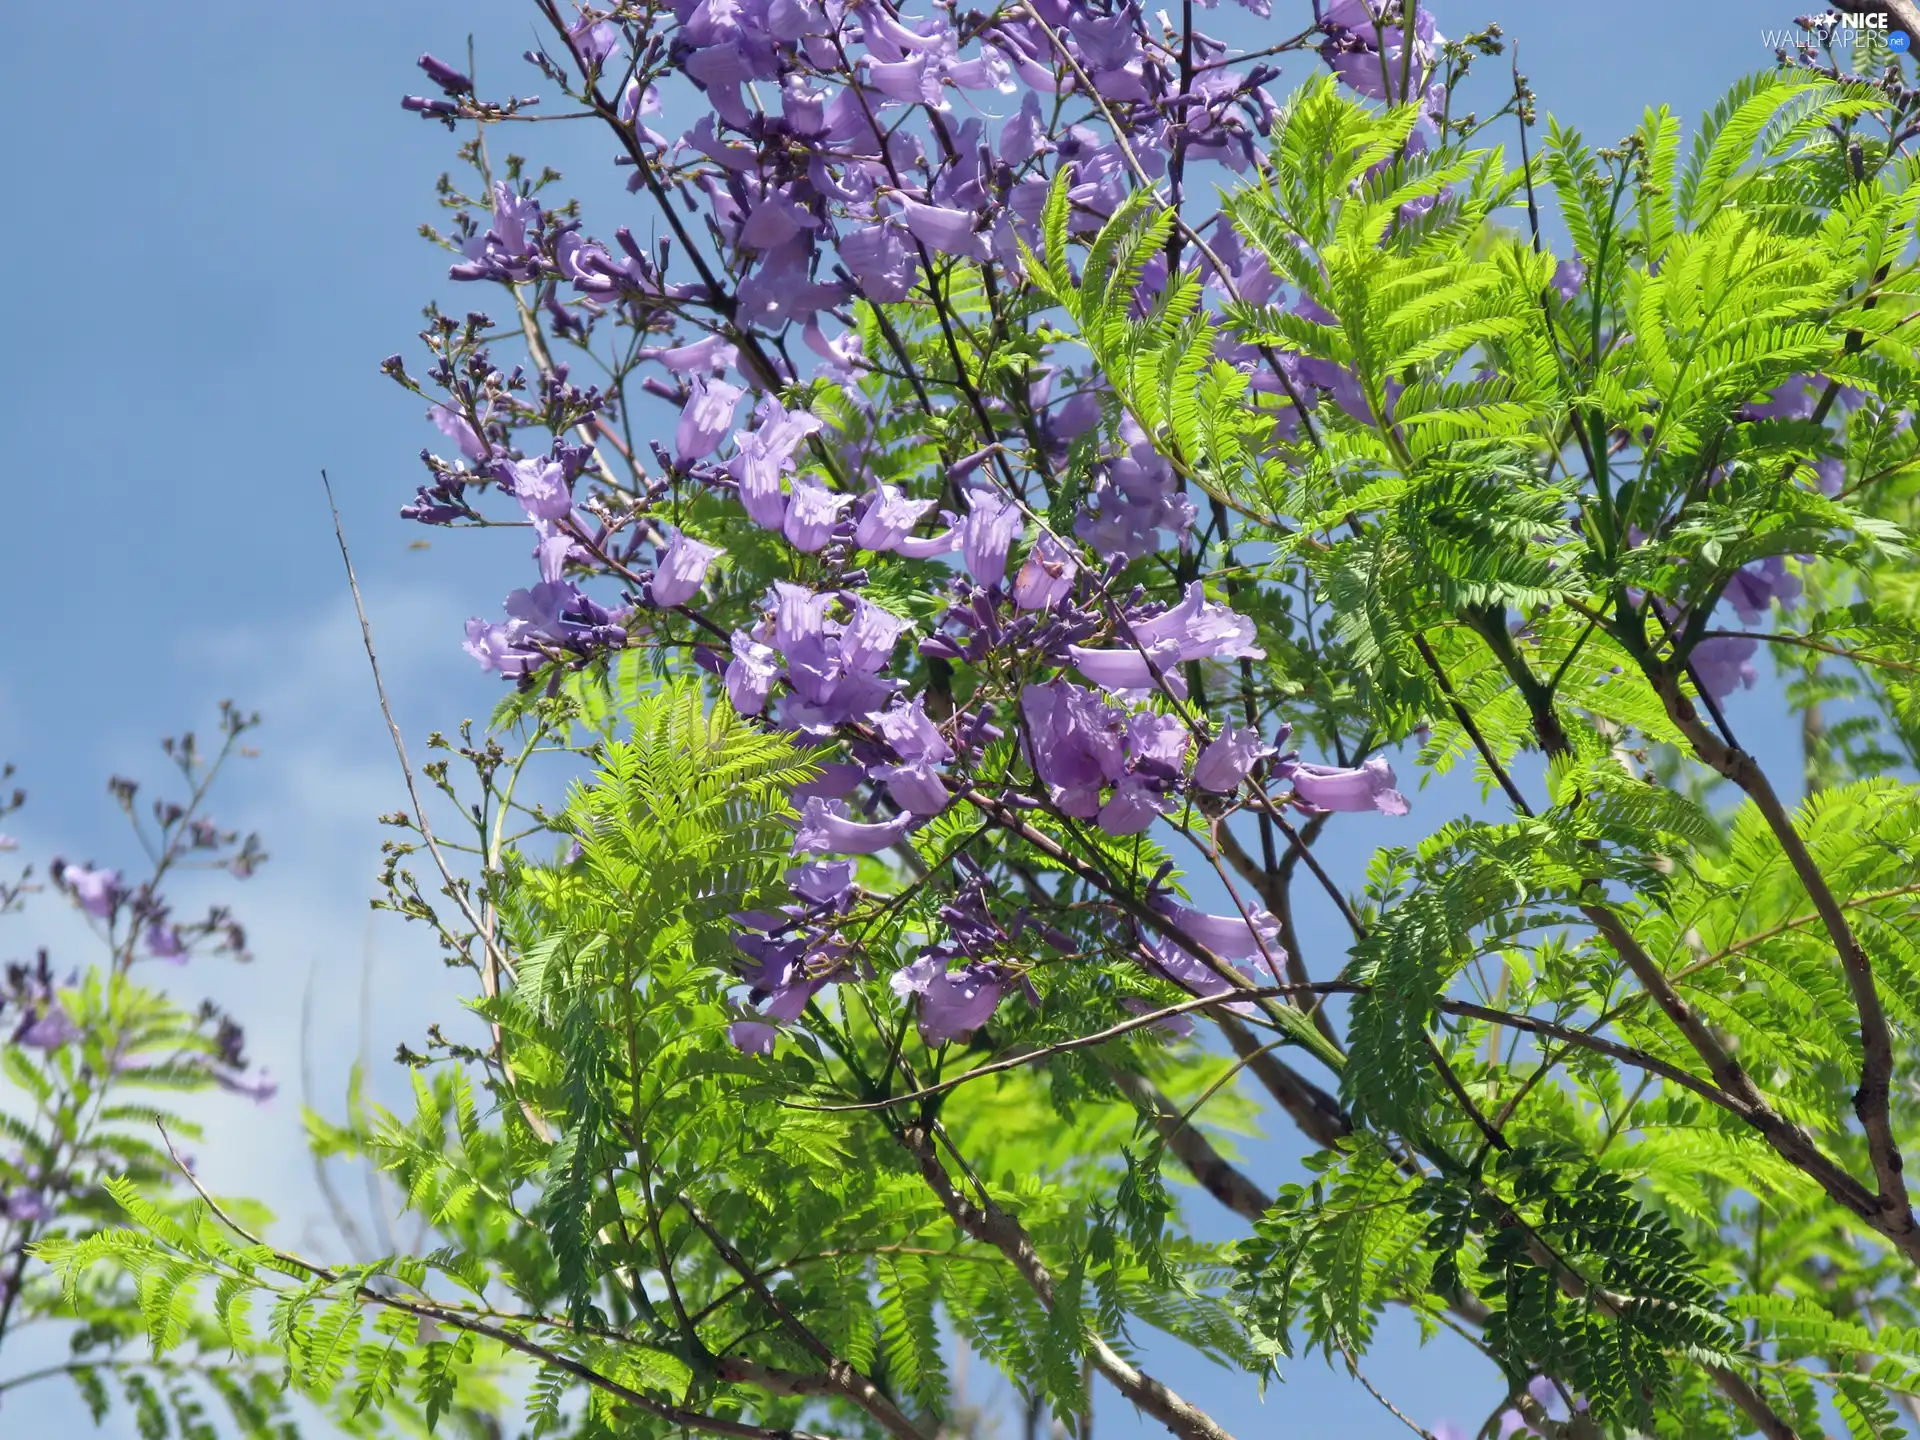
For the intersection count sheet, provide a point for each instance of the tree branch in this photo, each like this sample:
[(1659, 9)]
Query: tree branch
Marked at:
[(989, 1224)]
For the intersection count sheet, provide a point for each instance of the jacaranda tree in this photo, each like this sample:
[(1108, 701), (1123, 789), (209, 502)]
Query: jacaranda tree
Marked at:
[(1099, 461)]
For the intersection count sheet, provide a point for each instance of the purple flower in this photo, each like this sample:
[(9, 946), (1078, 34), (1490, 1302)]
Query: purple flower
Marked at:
[(27, 1205), (812, 511), (542, 486), (1355, 54), (502, 251), (593, 41), (7, 842), (1725, 664), (887, 518), (799, 616), (988, 534), (953, 1004), (750, 674), (1568, 277), (499, 648), (1129, 669), (1133, 807), (1135, 495), (752, 1037), (1157, 746), (164, 943), (98, 891), (947, 230), (945, 543), (1231, 937), (781, 288), (1180, 1025), (836, 781), (1188, 971), (1046, 576), (681, 571), (1331, 787), (881, 262), (714, 354), (444, 75), (1755, 587), (705, 420), (866, 645), (1794, 398), (764, 454), (1229, 758), (46, 1026), (1076, 742), (1202, 629), (911, 734), (825, 829), (915, 786), (822, 882), (260, 1088), (452, 424)]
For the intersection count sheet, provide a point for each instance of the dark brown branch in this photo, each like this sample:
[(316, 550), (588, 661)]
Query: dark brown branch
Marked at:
[(1872, 1101), (989, 1224), (845, 1379)]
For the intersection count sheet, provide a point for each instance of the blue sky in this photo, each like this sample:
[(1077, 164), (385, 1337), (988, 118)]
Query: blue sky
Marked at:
[(216, 209)]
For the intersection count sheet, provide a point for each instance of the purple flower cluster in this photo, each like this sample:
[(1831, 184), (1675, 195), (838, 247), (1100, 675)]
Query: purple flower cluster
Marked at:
[(849, 151), (831, 667)]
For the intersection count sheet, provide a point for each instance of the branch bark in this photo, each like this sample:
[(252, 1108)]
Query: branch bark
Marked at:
[(1872, 1101), (989, 1224)]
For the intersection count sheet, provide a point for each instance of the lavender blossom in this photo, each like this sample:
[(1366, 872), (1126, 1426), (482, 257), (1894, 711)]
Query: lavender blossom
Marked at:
[(164, 943), (452, 424), (812, 511), (541, 485), (1755, 587), (705, 420), (46, 1026), (991, 526), (1173, 962), (1129, 670), (887, 518), (945, 229), (1229, 758), (911, 734), (1201, 629), (1231, 937), (953, 1004), (750, 674), (764, 454), (501, 649), (1132, 808), (1724, 664), (1076, 744), (1368, 786), (826, 829), (752, 1037), (881, 262), (1046, 576), (681, 571), (915, 786), (822, 882), (98, 891)]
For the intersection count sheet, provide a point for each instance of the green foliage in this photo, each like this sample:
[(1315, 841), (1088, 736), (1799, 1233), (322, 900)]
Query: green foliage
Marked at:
[(1602, 1096)]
